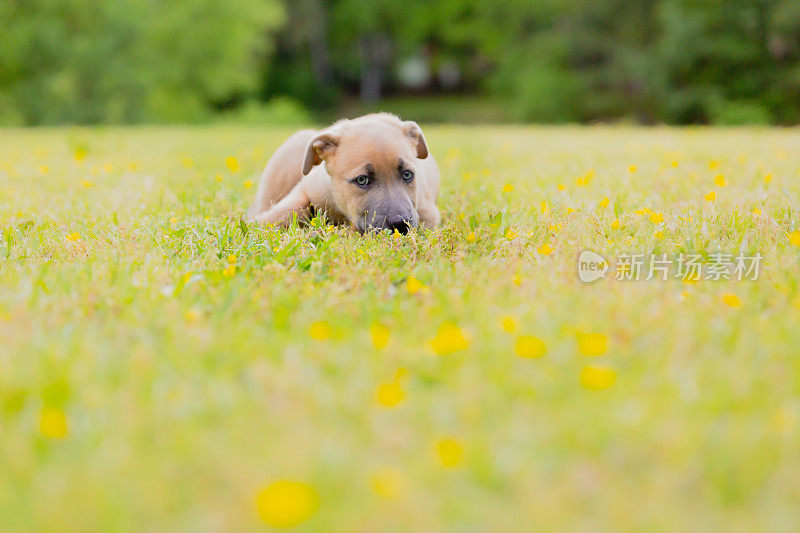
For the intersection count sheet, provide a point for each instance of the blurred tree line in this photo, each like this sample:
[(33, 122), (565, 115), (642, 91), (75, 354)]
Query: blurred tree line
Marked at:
[(673, 61)]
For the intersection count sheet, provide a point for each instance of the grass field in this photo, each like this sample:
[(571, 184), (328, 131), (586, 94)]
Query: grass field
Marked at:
[(164, 367)]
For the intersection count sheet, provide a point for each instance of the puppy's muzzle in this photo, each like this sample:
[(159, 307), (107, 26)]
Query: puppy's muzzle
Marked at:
[(393, 222)]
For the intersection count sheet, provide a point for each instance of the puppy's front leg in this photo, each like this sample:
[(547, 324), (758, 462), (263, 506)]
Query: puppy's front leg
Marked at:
[(428, 214), (280, 214)]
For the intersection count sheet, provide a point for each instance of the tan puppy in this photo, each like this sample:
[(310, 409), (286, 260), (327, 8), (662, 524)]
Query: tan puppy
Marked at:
[(377, 175)]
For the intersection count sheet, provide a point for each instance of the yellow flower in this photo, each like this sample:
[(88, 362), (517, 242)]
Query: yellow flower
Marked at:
[(44, 169), (561, 187), (756, 211), (380, 335), (389, 483), (615, 224), (74, 236), (232, 258), (659, 235), (545, 249), (508, 187), (413, 285), (471, 237), (53, 423), (794, 238), (604, 203), (192, 315), (713, 164), (544, 207), (248, 184), (286, 503), (592, 344), (530, 347), (320, 330), (632, 169), (720, 181), (80, 154), (657, 218), (232, 163), (229, 271), (731, 300), (711, 197), (509, 324), (466, 176), (517, 279), (390, 394), (218, 176), (768, 179), (449, 339), (674, 164), (510, 234), (450, 452), (597, 377)]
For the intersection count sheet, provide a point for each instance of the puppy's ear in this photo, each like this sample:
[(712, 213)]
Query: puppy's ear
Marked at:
[(413, 130), (321, 147)]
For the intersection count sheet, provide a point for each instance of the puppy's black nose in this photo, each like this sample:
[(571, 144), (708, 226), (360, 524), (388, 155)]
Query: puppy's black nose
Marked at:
[(397, 224)]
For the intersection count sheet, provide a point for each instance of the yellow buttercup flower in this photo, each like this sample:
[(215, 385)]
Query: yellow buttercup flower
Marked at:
[(232, 258), (768, 179), (544, 206), (471, 237), (232, 163), (74, 236), (713, 164), (604, 203), (794, 238), (380, 335), (720, 181), (592, 344), (229, 271), (390, 394), (657, 218), (545, 249), (450, 452), (192, 315), (711, 197), (510, 234), (508, 187), (320, 330), (286, 503), (632, 169), (597, 378), (413, 285), (449, 339), (561, 187), (53, 423), (509, 324), (530, 347), (248, 184), (615, 224), (731, 300)]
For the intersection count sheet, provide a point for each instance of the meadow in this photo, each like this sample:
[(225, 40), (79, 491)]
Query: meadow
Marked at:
[(165, 367)]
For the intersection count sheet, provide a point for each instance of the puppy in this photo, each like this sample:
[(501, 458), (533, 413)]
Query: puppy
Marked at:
[(377, 174)]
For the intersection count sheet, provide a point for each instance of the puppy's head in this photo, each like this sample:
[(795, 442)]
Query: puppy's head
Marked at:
[(372, 162)]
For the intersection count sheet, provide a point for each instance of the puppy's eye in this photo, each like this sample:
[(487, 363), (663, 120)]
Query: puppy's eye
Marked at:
[(408, 175), (362, 180)]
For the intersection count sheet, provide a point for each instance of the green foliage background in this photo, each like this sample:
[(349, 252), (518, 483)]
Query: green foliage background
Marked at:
[(650, 61)]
